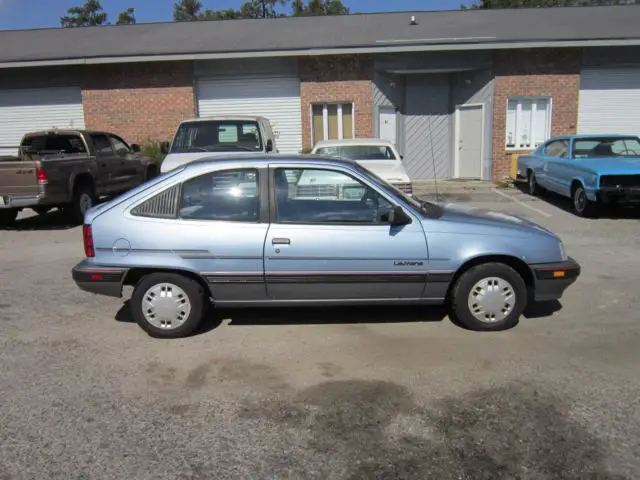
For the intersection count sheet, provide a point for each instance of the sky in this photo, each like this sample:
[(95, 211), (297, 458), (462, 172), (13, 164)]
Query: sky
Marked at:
[(22, 14)]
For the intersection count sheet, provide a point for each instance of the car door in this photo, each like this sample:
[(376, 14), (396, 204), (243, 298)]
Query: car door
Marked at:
[(107, 160), (329, 240), (130, 169), (549, 178), (220, 232)]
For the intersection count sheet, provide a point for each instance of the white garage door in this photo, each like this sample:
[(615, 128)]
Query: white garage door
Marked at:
[(609, 100), (276, 97), (27, 110)]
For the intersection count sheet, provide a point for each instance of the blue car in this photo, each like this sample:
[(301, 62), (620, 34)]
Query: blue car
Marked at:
[(241, 233), (591, 170)]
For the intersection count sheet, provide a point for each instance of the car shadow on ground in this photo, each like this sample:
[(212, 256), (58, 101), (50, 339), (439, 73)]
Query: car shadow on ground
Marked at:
[(52, 220), (240, 317), (563, 203)]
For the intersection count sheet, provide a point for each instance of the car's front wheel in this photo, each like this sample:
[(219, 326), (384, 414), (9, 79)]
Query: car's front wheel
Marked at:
[(582, 206), (168, 305), (488, 297)]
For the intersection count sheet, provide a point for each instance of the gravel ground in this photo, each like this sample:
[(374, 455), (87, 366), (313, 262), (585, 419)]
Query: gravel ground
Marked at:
[(327, 394)]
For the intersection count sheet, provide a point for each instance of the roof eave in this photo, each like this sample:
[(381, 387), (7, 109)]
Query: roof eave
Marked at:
[(441, 47)]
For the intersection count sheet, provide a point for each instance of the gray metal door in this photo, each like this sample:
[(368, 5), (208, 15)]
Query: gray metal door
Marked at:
[(388, 128), (470, 141)]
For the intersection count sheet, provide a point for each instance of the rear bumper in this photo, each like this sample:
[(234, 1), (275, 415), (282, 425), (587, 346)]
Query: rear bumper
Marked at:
[(99, 280), (552, 279), (21, 201), (619, 195)]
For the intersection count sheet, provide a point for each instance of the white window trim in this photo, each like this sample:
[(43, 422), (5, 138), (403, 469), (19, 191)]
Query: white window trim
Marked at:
[(519, 99), (325, 119)]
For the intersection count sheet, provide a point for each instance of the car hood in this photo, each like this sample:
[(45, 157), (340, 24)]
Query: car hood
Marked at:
[(390, 170), (173, 160), (612, 165), (467, 217)]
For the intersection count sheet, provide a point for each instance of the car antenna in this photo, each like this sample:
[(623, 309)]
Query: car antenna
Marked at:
[(433, 158)]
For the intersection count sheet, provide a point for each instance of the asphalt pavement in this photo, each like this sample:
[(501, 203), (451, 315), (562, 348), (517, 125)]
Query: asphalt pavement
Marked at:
[(355, 393)]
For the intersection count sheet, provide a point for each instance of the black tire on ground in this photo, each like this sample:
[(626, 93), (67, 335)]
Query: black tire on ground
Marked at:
[(195, 298), (83, 199), (532, 184), (461, 306), (8, 216), (581, 205)]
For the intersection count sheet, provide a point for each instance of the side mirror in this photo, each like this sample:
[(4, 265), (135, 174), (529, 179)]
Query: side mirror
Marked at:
[(397, 217), (401, 157), (164, 147), (269, 146), (135, 147)]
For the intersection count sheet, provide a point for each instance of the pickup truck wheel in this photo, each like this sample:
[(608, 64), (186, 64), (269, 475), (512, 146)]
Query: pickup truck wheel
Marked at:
[(582, 206), (8, 216), (83, 200), (168, 305), (532, 184), (488, 297)]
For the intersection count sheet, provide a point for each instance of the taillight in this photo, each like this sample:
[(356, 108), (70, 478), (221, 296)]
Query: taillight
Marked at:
[(87, 237), (41, 176)]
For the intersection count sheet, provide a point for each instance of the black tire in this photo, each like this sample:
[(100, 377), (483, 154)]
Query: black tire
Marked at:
[(460, 310), (532, 184), (195, 298), (581, 205), (83, 198), (8, 216)]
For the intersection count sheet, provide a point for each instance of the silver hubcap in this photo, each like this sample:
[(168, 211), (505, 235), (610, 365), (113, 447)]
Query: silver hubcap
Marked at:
[(85, 202), (166, 306), (579, 199), (492, 299)]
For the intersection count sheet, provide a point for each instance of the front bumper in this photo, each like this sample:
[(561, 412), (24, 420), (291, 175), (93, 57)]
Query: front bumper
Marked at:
[(619, 195), (99, 280), (552, 279)]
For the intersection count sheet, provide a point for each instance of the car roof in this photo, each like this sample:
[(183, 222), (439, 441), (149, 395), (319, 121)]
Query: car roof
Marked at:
[(260, 159), (587, 136), (353, 141), (224, 117)]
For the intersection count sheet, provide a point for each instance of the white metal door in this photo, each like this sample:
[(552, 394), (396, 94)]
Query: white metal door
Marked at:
[(276, 97), (609, 99), (469, 135), (28, 110), (388, 126)]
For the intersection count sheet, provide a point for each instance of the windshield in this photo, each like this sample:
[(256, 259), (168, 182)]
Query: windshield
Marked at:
[(606, 147), (426, 208), (218, 136), (358, 152)]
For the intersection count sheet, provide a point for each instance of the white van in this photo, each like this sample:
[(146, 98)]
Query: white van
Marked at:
[(379, 156), (218, 135)]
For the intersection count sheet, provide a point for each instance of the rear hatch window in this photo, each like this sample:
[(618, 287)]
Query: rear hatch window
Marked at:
[(55, 143)]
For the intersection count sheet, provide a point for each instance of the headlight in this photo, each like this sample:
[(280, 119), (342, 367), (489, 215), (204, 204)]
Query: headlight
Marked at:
[(563, 253)]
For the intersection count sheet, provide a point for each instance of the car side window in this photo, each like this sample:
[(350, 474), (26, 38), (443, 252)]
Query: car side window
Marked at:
[(317, 196), (102, 144), (558, 148), (228, 195), (119, 146)]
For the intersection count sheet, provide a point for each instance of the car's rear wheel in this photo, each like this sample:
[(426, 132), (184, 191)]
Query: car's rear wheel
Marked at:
[(488, 297), (532, 184), (83, 199), (582, 206), (8, 216), (168, 305)]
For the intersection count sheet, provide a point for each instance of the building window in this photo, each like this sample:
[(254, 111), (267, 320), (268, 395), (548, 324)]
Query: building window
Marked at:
[(331, 121), (528, 122)]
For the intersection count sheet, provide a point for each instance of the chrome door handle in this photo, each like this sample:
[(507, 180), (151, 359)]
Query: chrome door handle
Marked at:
[(281, 241)]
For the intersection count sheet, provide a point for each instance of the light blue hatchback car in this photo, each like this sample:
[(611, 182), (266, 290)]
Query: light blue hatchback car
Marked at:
[(269, 230)]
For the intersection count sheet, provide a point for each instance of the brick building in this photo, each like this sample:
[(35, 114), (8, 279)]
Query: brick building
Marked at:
[(458, 92)]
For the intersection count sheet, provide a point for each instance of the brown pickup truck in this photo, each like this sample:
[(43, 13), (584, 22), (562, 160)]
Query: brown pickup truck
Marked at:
[(69, 169)]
